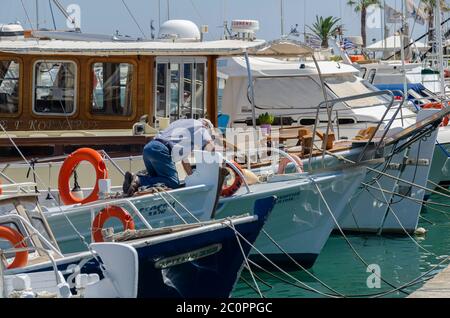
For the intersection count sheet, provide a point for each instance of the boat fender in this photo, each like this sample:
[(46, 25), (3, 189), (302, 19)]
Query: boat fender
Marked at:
[(420, 231), (68, 168), (17, 241), (230, 190), (107, 214), (250, 177)]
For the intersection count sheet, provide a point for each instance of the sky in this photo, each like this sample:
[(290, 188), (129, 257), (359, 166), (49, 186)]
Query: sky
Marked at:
[(107, 16)]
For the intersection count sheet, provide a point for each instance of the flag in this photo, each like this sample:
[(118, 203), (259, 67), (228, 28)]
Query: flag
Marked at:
[(313, 41), (392, 15), (347, 44), (418, 14)]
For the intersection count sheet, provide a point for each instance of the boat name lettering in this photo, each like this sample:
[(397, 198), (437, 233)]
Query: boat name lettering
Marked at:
[(39, 125), (288, 198), (156, 209), (188, 257)]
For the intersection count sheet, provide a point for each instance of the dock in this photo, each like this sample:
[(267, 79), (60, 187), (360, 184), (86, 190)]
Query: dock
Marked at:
[(438, 287)]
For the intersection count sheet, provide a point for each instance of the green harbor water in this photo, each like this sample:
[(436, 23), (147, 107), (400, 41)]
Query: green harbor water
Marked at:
[(400, 260)]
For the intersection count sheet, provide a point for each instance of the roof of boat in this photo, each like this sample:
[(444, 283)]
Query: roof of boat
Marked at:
[(264, 66), (220, 47)]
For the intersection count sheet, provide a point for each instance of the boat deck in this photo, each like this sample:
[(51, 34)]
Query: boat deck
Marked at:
[(438, 287)]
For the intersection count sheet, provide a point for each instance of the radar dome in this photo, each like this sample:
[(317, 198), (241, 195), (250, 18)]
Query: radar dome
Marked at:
[(182, 30)]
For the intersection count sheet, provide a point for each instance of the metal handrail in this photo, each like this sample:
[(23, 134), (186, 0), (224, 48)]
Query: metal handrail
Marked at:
[(18, 218), (329, 105)]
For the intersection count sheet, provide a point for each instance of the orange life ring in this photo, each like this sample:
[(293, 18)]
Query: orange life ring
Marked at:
[(105, 215), (286, 161), (446, 119), (230, 190), (17, 241), (67, 169)]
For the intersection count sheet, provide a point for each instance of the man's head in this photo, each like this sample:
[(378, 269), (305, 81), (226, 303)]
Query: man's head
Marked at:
[(208, 125)]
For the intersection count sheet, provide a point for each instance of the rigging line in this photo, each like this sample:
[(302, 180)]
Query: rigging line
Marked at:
[(403, 196), (197, 11), (386, 174), (52, 14), (81, 237), (418, 279), (299, 265), (244, 256), (345, 236), (401, 225), (133, 18), (26, 13), (438, 186), (278, 267)]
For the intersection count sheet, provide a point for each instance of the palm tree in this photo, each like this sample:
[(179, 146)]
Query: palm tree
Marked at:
[(361, 7), (428, 7), (325, 28)]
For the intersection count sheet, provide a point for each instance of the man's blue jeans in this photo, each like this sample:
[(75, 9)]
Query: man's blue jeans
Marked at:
[(160, 166)]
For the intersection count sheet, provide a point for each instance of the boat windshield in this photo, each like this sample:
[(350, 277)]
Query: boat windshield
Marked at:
[(349, 85)]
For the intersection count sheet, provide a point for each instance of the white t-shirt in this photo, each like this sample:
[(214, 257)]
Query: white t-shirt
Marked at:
[(185, 135)]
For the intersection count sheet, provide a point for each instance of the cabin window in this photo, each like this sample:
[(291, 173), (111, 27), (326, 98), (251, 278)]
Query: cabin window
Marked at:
[(180, 88), (55, 87), (112, 89), (9, 87)]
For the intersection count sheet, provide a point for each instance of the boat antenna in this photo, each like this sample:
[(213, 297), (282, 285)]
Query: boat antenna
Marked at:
[(133, 18)]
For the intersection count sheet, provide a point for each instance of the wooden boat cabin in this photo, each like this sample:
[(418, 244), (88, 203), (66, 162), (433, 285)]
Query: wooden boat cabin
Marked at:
[(60, 90)]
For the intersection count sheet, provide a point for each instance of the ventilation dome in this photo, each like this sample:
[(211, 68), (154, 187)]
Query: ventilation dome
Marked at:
[(179, 30)]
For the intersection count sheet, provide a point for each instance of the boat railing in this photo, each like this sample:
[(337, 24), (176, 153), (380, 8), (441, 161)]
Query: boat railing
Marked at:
[(328, 105), (18, 219)]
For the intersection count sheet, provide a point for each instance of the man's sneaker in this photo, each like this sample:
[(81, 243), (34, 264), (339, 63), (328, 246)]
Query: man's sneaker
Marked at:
[(127, 182), (134, 186)]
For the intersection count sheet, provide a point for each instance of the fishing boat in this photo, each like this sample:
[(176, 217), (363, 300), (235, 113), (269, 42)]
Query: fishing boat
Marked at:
[(171, 262)]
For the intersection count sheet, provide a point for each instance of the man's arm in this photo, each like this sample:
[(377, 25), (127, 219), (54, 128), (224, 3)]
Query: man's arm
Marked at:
[(187, 167)]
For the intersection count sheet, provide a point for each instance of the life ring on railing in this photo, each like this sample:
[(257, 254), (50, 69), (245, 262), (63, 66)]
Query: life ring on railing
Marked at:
[(105, 215), (17, 241), (446, 119), (67, 169), (284, 162), (230, 190)]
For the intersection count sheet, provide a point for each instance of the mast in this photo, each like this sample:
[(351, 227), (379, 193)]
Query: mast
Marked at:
[(383, 17), (281, 18), (168, 9), (37, 15), (439, 47), (402, 43)]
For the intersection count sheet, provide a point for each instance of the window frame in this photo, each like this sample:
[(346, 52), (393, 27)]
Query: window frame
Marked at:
[(90, 90), (21, 74), (181, 60), (75, 101)]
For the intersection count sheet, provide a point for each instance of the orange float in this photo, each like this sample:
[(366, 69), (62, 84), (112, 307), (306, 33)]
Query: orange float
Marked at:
[(69, 166), (105, 215), (230, 190), (17, 241), (446, 119)]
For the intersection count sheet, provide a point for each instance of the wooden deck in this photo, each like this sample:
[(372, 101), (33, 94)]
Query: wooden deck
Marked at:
[(438, 287)]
